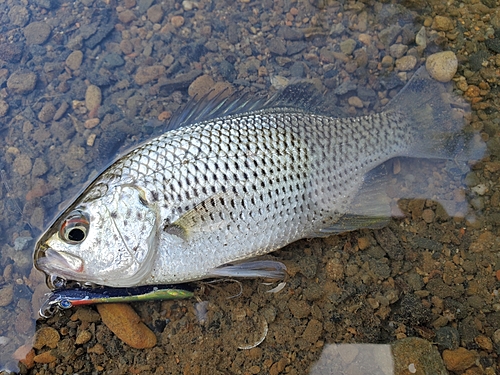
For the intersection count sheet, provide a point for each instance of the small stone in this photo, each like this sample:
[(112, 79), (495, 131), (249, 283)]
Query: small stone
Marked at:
[(313, 331), (177, 21), (124, 322), (387, 61), (97, 349), (21, 83), (45, 357), (91, 123), (46, 336), (201, 86), (366, 39), (19, 15), (363, 243), (459, 360), (347, 46), (484, 343), (93, 97), (126, 16), (421, 37), (414, 354), (74, 60), (4, 107), (496, 337), (155, 13), (83, 337), (355, 102), (428, 215), (25, 354), (149, 73), (6, 295), (85, 315), (37, 33), (406, 63), (442, 66), (334, 269), (91, 139), (22, 165), (126, 47), (299, 309), (441, 23), (47, 112), (398, 50)]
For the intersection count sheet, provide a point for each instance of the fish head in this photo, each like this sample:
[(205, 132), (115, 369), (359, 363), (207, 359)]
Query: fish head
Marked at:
[(108, 238)]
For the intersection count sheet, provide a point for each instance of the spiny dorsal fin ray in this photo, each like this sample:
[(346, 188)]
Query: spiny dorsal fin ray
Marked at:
[(300, 96)]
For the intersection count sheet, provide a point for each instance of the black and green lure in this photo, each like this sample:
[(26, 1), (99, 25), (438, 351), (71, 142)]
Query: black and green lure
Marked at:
[(63, 299)]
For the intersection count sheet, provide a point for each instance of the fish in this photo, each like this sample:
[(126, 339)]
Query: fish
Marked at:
[(233, 179)]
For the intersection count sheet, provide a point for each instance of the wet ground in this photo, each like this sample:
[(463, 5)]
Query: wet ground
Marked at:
[(82, 81)]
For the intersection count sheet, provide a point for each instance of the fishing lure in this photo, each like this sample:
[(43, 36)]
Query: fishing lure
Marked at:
[(64, 299)]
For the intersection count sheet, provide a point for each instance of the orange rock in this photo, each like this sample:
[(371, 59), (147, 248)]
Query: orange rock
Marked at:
[(25, 354), (46, 336), (459, 360), (124, 322), (45, 357)]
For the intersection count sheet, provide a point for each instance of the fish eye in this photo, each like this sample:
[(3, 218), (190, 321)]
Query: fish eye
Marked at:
[(74, 229)]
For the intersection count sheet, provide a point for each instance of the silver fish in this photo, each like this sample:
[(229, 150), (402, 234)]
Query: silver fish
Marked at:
[(235, 179)]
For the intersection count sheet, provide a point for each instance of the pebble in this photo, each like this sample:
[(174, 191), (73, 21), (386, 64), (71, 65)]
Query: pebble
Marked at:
[(355, 102), (126, 16), (91, 123), (441, 23), (22, 165), (313, 331), (442, 66), (45, 357), (21, 82), (74, 60), (93, 97), (347, 46), (47, 112), (155, 13), (387, 61), (126, 47), (4, 107), (19, 15), (25, 354), (149, 73), (83, 337), (46, 336), (459, 360), (6, 295), (201, 86), (177, 21), (406, 63), (484, 343), (398, 50), (124, 322), (447, 338), (414, 354), (37, 33), (334, 269), (428, 215), (421, 37)]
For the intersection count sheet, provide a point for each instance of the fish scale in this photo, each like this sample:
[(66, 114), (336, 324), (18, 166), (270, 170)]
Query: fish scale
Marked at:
[(244, 180)]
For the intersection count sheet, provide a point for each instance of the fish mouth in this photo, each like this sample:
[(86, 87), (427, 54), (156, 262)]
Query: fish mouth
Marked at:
[(59, 263)]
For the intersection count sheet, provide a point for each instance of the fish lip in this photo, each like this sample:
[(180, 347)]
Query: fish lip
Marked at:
[(59, 263)]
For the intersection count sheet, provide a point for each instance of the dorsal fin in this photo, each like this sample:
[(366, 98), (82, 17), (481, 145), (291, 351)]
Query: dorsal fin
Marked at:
[(300, 96)]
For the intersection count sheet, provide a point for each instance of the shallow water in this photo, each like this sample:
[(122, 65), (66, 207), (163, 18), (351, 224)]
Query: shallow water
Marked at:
[(428, 275)]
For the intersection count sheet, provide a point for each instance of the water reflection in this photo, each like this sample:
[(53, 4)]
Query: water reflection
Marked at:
[(431, 274)]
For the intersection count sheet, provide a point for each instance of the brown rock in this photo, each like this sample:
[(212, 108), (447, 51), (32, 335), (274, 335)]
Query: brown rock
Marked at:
[(6, 295), (313, 331), (459, 360), (91, 123), (355, 102), (4, 107), (441, 23), (45, 357), (155, 13), (126, 46), (21, 83), (484, 343), (93, 97), (83, 337), (47, 112), (74, 60), (177, 21), (46, 336), (22, 165), (37, 33), (124, 322), (201, 86), (97, 349), (442, 66), (25, 354), (126, 16), (149, 73)]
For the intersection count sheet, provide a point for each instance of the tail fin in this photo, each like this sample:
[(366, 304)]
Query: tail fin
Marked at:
[(437, 119)]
